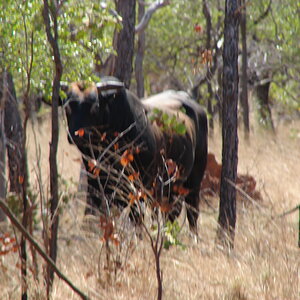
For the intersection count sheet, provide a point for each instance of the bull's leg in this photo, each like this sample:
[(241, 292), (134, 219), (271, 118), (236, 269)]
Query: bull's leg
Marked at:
[(192, 200), (193, 186)]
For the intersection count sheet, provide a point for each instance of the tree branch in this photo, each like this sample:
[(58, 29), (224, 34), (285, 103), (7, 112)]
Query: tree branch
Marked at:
[(264, 14), (148, 14)]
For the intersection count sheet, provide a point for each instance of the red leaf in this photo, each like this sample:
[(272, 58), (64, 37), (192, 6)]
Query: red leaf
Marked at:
[(133, 176), (116, 146), (126, 158), (197, 28), (80, 132)]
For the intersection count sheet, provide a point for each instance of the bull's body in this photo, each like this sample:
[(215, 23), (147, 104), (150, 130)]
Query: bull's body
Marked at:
[(116, 116)]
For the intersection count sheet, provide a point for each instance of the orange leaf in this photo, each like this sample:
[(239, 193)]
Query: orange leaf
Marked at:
[(92, 164), (21, 179), (183, 191), (126, 158), (131, 177), (108, 231), (165, 207), (96, 171), (134, 176), (116, 146), (80, 132), (103, 137), (130, 157), (107, 226), (124, 161)]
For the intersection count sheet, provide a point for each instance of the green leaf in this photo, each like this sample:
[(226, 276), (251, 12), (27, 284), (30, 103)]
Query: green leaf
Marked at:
[(180, 128)]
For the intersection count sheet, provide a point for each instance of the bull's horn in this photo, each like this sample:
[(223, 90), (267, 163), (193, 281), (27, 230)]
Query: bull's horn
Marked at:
[(111, 84)]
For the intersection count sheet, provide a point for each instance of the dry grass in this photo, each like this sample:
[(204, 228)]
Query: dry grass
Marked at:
[(264, 264)]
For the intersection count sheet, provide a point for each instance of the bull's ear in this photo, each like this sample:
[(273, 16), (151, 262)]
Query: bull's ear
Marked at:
[(109, 86), (64, 87)]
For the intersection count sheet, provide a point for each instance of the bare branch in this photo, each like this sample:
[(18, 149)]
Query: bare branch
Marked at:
[(264, 14), (148, 14)]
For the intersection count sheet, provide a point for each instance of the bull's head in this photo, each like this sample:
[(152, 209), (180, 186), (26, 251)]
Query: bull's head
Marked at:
[(86, 105)]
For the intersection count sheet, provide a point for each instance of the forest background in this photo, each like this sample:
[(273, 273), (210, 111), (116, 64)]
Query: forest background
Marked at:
[(180, 48)]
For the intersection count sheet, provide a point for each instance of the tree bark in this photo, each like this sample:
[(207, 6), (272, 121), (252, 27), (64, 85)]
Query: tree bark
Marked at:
[(13, 132), (207, 15), (244, 78), (124, 41), (2, 155), (53, 41), (227, 212), (139, 76)]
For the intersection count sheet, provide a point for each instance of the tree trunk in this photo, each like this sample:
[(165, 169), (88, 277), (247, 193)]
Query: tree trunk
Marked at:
[(220, 94), (264, 109), (13, 132), (207, 15), (124, 41), (244, 80), (227, 212), (2, 156), (52, 36), (139, 76)]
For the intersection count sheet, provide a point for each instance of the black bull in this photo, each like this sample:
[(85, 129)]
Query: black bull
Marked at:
[(106, 118)]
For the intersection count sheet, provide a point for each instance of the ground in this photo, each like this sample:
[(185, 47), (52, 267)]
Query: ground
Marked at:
[(263, 265)]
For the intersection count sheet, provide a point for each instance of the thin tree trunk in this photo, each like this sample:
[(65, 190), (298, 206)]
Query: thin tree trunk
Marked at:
[(124, 41), (227, 212), (53, 41), (207, 15), (2, 155), (139, 76), (244, 77)]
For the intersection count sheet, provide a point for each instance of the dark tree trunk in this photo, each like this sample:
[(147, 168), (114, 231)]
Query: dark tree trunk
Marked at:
[(52, 35), (124, 41), (2, 157), (13, 132), (207, 15), (227, 213), (220, 95), (264, 109), (139, 76), (244, 78), (15, 143)]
